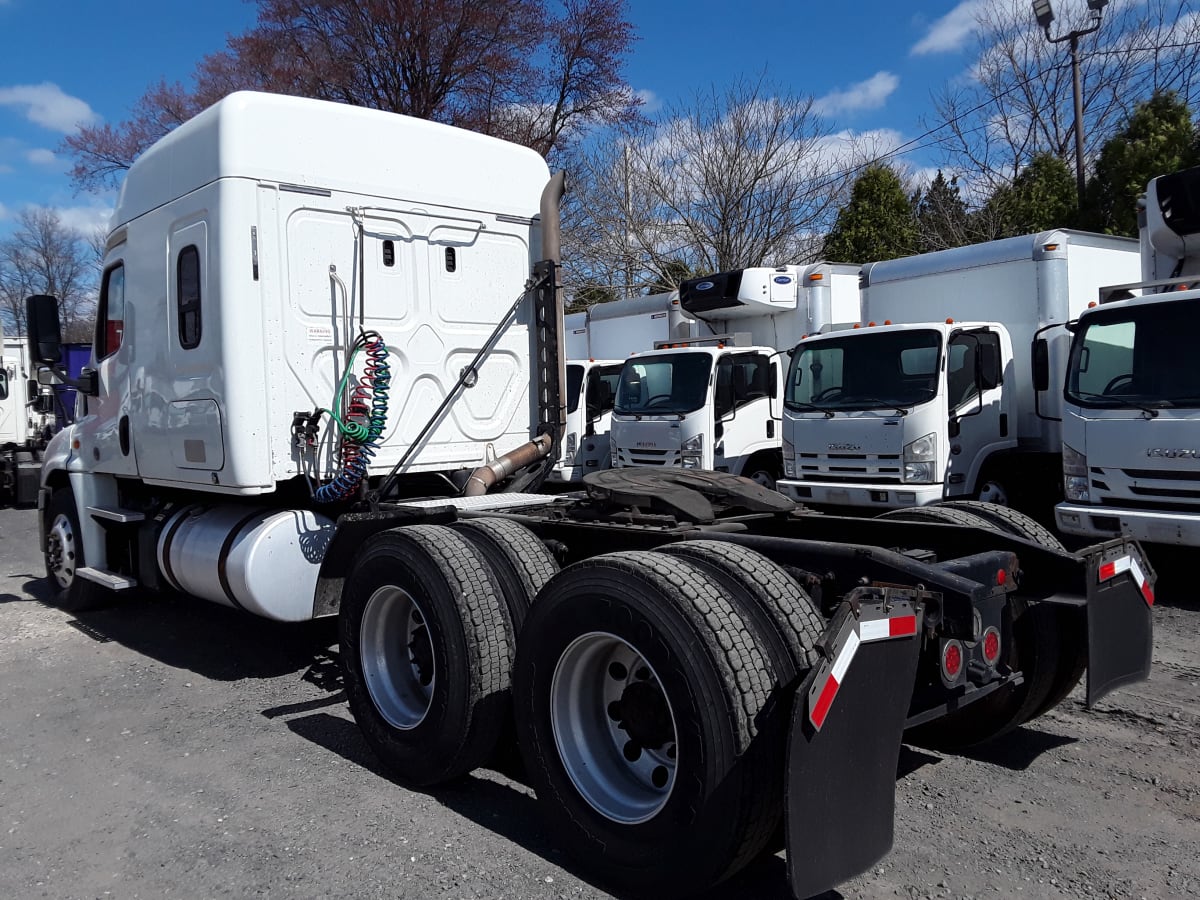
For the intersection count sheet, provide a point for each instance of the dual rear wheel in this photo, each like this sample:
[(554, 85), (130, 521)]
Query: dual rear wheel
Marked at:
[(651, 690)]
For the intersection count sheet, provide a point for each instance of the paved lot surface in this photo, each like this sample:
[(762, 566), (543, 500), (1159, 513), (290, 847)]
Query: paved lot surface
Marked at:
[(170, 748)]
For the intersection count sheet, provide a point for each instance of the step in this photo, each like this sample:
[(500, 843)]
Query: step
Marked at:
[(116, 514), (110, 580)]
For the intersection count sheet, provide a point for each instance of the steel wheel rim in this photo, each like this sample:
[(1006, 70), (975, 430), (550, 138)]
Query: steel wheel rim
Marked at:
[(993, 492), (766, 479), (397, 657), (60, 550), (605, 697)]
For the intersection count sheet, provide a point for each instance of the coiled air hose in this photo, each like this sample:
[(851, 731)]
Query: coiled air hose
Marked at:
[(363, 420)]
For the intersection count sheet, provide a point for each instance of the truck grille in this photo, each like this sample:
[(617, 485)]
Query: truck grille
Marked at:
[(638, 457), (864, 468), (1150, 489)]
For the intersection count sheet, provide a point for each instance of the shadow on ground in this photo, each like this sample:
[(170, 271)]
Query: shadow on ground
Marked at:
[(212, 641)]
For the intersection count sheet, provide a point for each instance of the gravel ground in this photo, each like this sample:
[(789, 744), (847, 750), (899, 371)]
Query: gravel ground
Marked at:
[(170, 748)]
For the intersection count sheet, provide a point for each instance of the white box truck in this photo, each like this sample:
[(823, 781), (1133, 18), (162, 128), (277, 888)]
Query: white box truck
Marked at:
[(713, 401), (615, 330), (934, 397), (1131, 423), (313, 315), (26, 417)]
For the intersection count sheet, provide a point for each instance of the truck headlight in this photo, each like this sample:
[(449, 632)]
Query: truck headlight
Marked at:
[(691, 452), (789, 459), (1075, 476), (920, 460)]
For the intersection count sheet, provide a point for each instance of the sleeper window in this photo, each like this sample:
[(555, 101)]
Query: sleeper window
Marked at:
[(188, 296)]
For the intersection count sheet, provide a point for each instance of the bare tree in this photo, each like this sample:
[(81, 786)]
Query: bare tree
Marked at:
[(733, 179), (1017, 101), (44, 256), (538, 72)]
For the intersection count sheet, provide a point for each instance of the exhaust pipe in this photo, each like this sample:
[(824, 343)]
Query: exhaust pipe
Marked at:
[(487, 476)]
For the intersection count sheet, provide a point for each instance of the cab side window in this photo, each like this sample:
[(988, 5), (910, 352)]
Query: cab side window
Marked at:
[(110, 317), (187, 296)]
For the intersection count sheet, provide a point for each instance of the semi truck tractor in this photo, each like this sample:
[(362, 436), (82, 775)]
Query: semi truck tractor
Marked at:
[(713, 401), (328, 375), (937, 396), (1131, 425)]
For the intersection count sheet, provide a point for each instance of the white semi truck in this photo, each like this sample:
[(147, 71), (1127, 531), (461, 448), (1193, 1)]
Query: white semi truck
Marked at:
[(935, 397), (26, 412), (314, 316), (1131, 423), (712, 401)]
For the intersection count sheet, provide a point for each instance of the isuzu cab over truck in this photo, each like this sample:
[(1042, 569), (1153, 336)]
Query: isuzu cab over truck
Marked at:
[(1131, 423), (936, 398), (713, 401), (328, 361)]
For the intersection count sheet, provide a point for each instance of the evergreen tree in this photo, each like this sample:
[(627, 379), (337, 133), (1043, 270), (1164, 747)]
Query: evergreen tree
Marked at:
[(1042, 197), (1158, 138), (878, 223), (941, 216)]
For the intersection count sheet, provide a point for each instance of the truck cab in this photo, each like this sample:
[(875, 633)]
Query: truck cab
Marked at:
[(700, 405), (591, 393), (893, 416), (1131, 410)]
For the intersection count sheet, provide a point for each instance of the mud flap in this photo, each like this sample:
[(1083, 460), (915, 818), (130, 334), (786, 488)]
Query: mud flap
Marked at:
[(1120, 594), (844, 745)]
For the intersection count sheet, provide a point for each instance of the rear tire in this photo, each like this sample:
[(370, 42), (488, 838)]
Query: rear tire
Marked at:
[(769, 598), (64, 557), (1010, 520), (426, 647), (937, 513), (641, 697), (521, 563)]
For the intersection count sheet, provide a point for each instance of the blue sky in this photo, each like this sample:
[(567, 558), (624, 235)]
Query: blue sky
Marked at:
[(871, 64)]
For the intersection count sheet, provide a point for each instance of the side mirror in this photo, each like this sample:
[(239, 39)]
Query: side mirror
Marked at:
[(3, 385), (45, 336), (1041, 365), (773, 382), (31, 390)]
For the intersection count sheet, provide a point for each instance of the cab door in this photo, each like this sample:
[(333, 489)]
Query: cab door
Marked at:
[(976, 403), (105, 434)]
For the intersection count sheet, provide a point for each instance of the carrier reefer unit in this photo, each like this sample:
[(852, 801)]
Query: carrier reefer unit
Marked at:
[(937, 394), (313, 312)]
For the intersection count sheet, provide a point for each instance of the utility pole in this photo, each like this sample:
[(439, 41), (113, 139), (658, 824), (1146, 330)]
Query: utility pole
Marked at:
[(1044, 13)]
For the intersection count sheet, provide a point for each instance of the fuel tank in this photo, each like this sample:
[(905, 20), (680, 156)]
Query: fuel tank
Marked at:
[(263, 561)]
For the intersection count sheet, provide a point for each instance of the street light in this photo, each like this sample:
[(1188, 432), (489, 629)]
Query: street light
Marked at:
[(1044, 13)]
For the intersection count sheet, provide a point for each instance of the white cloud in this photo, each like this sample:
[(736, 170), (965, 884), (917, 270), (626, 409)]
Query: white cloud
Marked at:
[(4, 214), (951, 32), (869, 94), (46, 105), (85, 219), (651, 102), (41, 157)]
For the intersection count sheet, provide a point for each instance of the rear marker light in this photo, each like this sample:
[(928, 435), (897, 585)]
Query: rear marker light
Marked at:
[(903, 624), (991, 646), (1112, 569), (1001, 577), (952, 660)]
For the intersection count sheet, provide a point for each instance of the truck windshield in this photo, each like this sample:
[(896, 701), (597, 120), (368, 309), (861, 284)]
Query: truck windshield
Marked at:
[(887, 370), (1137, 357), (660, 385), (574, 386)]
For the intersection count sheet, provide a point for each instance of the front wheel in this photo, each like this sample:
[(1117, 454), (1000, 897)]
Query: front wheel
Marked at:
[(64, 557)]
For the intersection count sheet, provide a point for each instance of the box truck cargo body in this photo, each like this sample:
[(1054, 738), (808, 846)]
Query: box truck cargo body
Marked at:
[(935, 395)]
